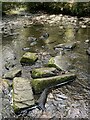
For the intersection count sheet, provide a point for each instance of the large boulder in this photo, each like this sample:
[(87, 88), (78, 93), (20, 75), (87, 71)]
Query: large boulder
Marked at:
[(60, 62), (43, 72), (68, 45), (16, 72), (22, 93), (41, 83), (29, 58)]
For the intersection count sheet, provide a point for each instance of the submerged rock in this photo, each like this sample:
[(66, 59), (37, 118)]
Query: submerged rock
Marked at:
[(88, 51), (16, 72), (29, 58), (22, 93), (41, 83), (25, 49), (44, 36), (60, 62), (43, 72), (32, 39), (68, 45), (33, 43)]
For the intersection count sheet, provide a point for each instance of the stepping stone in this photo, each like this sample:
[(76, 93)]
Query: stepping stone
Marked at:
[(43, 72), (29, 58), (22, 94)]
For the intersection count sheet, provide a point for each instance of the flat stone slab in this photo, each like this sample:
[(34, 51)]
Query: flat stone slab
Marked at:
[(43, 72), (68, 45), (22, 93), (41, 83), (29, 58), (16, 72), (60, 62)]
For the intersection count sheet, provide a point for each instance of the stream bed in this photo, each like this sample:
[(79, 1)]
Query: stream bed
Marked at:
[(69, 101)]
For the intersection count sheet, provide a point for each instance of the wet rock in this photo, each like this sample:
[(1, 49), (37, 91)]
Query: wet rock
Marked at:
[(15, 72), (29, 58), (41, 83), (68, 45), (6, 107), (22, 93), (60, 62), (88, 51), (44, 36), (83, 26), (32, 39), (43, 72), (10, 64), (3, 85), (33, 43), (25, 49), (87, 41)]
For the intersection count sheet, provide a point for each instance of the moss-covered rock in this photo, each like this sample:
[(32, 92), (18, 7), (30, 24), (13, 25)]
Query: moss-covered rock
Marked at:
[(29, 58), (41, 83), (15, 72), (22, 93), (60, 62), (43, 72)]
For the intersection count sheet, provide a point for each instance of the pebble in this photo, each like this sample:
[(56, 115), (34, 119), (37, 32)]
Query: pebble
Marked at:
[(87, 41), (83, 26)]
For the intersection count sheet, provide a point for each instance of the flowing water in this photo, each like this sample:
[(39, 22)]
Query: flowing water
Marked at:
[(75, 96)]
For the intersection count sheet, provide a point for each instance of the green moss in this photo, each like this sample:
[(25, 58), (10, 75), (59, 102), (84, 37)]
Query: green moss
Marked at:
[(16, 109), (29, 57), (51, 62), (36, 74), (40, 84), (43, 72)]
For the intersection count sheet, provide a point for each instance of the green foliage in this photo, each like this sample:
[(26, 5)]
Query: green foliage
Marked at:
[(76, 8)]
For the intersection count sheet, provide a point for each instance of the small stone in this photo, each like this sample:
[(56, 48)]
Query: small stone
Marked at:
[(3, 84), (16, 72), (68, 45), (50, 96), (83, 26), (87, 41)]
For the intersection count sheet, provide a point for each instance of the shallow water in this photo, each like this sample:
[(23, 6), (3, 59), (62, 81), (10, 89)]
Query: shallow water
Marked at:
[(12, 51)]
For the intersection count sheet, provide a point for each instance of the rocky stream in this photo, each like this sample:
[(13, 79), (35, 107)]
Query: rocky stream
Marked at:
[(57, 46)]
